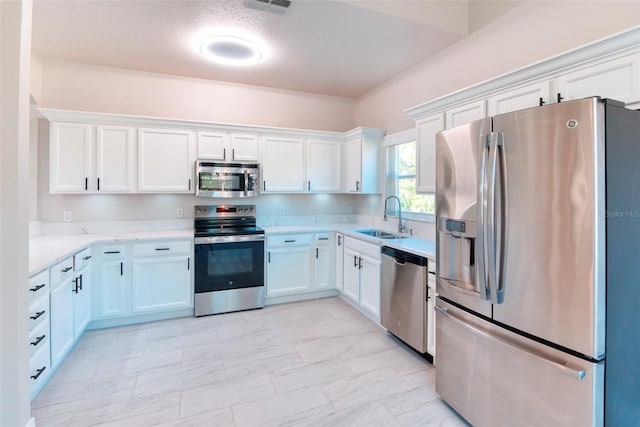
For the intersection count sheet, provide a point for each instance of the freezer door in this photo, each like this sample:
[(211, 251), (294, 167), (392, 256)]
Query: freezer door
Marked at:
[(553, 279), (493, 377), (461, 153)]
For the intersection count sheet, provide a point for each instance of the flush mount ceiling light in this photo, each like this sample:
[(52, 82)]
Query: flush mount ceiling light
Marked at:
[(231, 51)]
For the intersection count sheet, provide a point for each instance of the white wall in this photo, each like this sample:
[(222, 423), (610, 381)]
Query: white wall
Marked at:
[(15, 42), (529, 33), (73, 86)]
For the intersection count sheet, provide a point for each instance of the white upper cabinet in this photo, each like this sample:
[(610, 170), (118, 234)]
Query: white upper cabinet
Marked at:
[(324, 166), (115, 159), (244, 148), (227, 147), (523, 97), (282, 165), (465, 113), (361, 167), (165, 160), (617, 79), (71, 158), (427, 129)]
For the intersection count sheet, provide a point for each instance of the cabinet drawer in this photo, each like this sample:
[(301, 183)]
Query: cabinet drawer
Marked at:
[(289, 240), (39, 369), (113, 251), (162, 248), (61, 271), (38, 285), (321, 238), (363, 248), (39, 337), (38, 312), (81, 259)]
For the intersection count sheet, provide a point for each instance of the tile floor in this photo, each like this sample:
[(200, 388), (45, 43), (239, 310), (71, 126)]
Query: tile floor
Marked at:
[(318, 363)]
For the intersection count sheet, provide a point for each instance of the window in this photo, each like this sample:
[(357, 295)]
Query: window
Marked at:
[(401, 182)]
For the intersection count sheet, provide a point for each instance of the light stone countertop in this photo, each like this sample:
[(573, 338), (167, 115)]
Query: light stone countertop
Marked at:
[(413, 244), (48, 250)]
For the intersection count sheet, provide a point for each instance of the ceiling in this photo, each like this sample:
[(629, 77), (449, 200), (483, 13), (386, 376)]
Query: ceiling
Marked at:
[(339, 48)]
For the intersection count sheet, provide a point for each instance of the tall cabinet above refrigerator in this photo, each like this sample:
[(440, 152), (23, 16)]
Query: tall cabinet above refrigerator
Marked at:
[(538, 267)]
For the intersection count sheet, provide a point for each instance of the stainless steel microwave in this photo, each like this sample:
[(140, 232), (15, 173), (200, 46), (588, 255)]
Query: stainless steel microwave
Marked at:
[(216, 179)]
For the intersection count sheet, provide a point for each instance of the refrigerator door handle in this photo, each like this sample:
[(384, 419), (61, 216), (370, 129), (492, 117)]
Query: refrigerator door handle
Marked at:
[(481, 248), (495, 262), (563, 367)]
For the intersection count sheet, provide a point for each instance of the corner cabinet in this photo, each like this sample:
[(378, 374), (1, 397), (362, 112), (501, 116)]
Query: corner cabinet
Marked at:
[(165, 160), (361, 168)]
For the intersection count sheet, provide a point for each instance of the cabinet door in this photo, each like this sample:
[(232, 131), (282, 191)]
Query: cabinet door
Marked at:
[(465, 114), (518, 99), (283, 165), (353, 165), (351, 282), (339, 261), (161, 284), (244, 147), (322, 267), (213, 145), (165, 160), (81, 301), (426, 152), (370, 285), (113, 289), (617, 79), (70, 158), (323, 166), (61, 321), (115, 159), (288, 270)]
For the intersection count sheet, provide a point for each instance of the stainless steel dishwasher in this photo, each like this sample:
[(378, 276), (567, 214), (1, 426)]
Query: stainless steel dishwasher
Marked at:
[(403, 297)]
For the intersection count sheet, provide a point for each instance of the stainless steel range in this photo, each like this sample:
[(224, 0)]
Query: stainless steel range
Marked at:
[(229, 259)]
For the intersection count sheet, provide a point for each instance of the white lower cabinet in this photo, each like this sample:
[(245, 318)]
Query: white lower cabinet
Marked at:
[(288, 264), (362, 275), (62, 327), (162, 283), (339, 256), (113, 299), (39, 332), (322, 262)]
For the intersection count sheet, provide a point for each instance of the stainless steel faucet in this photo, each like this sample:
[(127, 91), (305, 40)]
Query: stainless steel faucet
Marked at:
[(400, 224)]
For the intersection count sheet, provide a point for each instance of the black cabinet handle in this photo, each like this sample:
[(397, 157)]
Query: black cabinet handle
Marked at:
[(75, 290), (339, 240), (360, 263), (98, 184), (289, 241), (224, 154), (188, 264), (39, 372), (269, 257), (86, 184), (64, 270), (37, 341), (541, 102), (38, 314), (316, 253), (264, 185), (309, 186), (163, 249), (111, 252), (357, 185), (189, 184), (233, 154), (86, 257), (121, 269), (355, 260), (37, 288), (81, 281), (560, 98), (323, 238)]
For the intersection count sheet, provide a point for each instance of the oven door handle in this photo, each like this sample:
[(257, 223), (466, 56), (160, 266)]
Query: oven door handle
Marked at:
[(229, 239)]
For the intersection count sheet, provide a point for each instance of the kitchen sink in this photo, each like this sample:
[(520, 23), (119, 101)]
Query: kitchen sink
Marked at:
[(381, 234)]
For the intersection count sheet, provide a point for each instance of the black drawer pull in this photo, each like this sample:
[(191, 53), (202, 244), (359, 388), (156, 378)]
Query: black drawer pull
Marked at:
[(37, 341), (86, 257), (323, 238), (111, 252), (38, 314), (64, 270), (37, 288), (39, 372), (163, 249), (289, 241)]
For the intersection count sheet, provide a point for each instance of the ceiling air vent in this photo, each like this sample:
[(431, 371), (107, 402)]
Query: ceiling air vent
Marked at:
[(276, 6)]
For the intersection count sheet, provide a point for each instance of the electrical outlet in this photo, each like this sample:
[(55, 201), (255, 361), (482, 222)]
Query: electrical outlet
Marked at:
[(66, 216), (281, 210), (179, 213)]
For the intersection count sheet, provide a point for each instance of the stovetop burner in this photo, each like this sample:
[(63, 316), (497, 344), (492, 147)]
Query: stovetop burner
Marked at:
[(225, 220)]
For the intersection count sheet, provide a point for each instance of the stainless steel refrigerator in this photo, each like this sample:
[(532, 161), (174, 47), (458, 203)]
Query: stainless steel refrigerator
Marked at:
[(538, 266)]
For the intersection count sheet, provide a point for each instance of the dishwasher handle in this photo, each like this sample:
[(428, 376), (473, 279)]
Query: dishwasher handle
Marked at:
[(402, 257)]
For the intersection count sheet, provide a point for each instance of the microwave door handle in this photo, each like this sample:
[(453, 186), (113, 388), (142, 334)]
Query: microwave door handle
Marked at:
[(246, 182)]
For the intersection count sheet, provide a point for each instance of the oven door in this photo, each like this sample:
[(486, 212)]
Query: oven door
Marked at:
[(232, 262), (231, 180)]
